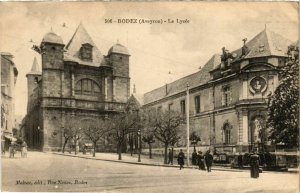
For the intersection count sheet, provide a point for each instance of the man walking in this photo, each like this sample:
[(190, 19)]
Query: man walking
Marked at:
[(180, 159), (208, 160)]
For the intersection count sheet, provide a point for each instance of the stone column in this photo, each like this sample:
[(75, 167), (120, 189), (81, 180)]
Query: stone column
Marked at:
[(245, 127), (72, 84), (245, 89)]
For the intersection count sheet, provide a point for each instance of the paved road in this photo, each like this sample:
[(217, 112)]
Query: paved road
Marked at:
[(20, 174)]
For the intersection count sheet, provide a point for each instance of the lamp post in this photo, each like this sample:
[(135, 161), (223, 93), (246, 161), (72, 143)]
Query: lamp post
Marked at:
[(139, 144), (187, 123)]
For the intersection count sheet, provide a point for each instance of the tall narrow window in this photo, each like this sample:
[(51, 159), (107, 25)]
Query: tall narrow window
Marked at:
[(197, 104), (226, 101), (170, 106), (106, 87), (182, 106), (226, 129)]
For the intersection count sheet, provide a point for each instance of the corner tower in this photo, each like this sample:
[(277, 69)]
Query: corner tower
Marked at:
[(52, 48), (119, 60)]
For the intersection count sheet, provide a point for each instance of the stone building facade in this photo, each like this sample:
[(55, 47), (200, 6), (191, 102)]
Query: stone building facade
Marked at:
[(228, 95), (75, 80), (9, 74)]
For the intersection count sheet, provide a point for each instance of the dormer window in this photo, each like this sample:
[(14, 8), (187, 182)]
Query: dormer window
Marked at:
[(86, 52)]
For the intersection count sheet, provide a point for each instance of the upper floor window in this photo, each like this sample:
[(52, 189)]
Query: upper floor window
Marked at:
[(87, 86), (86, 52), (182, 106), (170, 106), (226, 96), (4, 89), (159, 108), (197, 104)]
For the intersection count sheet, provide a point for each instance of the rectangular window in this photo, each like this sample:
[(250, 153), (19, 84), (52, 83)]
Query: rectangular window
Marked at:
[(170, 106), (197, 104), (226, 96), (182, 106), (4, 89)]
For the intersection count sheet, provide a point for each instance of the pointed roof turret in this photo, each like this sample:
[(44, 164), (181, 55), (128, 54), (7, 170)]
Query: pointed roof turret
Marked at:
[(80, 38), (35, 68)]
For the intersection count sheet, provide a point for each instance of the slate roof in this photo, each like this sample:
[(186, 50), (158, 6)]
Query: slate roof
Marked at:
[(80, 37), (52, 38), (199, 78), (139, 98), (266, 43), (119, 49), (35, 69)]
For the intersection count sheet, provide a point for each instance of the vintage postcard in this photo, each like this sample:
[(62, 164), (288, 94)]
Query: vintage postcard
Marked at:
[(149, 97)]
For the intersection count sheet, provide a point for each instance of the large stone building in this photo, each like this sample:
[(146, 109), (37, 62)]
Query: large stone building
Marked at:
[(9, 74), (228, 95), (76, 79)]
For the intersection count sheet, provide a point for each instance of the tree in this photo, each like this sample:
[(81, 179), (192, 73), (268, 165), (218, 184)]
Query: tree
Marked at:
[(166, 128), (121, 125), (194, 139), (283, 110), (68, 131), (77, 134), (148, 137), (95, 130)]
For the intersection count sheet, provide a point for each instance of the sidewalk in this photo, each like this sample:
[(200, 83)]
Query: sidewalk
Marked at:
[(155, 161)]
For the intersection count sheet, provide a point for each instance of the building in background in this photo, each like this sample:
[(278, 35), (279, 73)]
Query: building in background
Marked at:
[(228, 95), (9, 74), (75, 80)]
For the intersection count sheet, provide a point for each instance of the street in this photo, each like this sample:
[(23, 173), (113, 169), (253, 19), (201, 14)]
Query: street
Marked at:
[(49, 172)]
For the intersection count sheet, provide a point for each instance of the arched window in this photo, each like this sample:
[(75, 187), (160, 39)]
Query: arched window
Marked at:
[(227, 133), (87, 86)]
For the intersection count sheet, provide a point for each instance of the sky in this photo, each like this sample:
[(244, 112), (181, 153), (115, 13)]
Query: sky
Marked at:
[(160, 53)]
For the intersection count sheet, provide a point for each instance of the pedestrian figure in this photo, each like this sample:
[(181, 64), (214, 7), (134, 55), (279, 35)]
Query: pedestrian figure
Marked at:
[(208, 160), (170, 157), (180, 159), (240, 161), (11, 150), (24, 149), (194, 158), (200, 161), (254, 165)]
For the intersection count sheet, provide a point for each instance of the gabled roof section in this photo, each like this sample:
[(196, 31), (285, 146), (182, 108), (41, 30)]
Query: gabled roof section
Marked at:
[(79, 38), (266, 43), (199, 78)]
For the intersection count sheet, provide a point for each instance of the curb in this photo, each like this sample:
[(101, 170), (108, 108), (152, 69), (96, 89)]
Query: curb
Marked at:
[(163, 165), (145, 164)]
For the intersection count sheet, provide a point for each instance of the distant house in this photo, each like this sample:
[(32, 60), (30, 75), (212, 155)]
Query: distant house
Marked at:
[(9, 74)]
